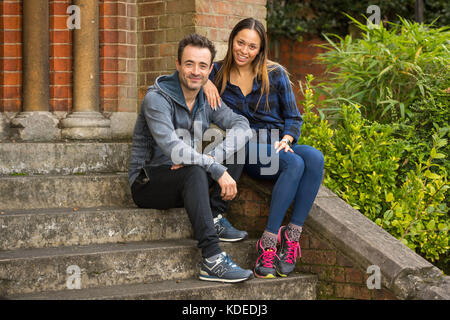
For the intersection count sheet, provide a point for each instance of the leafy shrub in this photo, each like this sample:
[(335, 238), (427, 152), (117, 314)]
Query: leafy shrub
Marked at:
[(363, 161), (389, 73)]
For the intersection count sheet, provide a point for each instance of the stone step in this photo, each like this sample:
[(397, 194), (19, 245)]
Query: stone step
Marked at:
[(46, 269), (64, 191), (63, 157), (41, 228), (295, 287)]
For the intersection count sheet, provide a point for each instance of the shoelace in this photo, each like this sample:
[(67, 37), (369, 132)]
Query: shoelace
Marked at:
[(228, 261), (224, 222), (293, 247), (268, 256)]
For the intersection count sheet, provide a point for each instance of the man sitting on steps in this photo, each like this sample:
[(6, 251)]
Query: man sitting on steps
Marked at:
[(166, 169)]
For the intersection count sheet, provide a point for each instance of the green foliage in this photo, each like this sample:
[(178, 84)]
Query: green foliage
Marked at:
[(317, 17), (418, 214), (282, 20), (364, 166), (389, 73)]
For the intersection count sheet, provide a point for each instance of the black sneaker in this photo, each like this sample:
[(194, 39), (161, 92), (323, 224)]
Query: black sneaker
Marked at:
[(287, 253), (226, 231), (264, 266), (221, 268)]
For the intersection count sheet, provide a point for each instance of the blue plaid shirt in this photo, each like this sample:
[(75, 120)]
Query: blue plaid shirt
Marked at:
[(283, 114)]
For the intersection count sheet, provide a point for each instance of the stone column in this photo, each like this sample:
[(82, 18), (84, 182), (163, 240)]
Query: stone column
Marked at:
[(35, 122), (85, 121)]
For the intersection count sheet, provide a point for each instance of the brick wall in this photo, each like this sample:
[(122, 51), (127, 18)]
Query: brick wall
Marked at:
[(118, 52), (118, 47), (138, 42), (299, 59), (10, 55), (60, 57), (163, 23), (339, 278)]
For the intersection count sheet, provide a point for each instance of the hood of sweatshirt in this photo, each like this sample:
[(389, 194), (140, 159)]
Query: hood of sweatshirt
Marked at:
[(170, 85)]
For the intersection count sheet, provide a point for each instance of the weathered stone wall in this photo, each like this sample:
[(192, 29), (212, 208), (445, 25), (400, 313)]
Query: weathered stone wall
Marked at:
[(339, 244)]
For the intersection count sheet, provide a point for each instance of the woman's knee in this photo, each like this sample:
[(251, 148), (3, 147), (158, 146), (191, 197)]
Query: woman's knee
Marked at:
[(292, 163), (311, 156)]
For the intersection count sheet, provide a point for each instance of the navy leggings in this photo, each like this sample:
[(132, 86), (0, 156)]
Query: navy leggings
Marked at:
[(298, 176)]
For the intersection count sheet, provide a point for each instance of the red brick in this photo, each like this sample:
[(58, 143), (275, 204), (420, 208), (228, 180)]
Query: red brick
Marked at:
[(12, 64), (318, 257), (60, 64), (315, 243), (61, 50), (108, 78), (352, 291), (61, 78), (12, 22), (11, 92), (112, 65), (12, 36), (11, 8), (59, 8), (58, 91), (11, 79), (353, 275), (10, 105), (58, 22), (108, 91), (252, 208), (12, 50), (61, 36), (60, 104)]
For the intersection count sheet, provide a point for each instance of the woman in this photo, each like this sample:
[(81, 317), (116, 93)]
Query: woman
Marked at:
[(260, 90)]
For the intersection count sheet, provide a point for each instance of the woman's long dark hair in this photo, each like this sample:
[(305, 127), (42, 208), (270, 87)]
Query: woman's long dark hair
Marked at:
[(261, 65)]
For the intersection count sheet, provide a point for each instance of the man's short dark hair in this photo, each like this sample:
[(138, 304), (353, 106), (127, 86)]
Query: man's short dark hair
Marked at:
[(196, 40)]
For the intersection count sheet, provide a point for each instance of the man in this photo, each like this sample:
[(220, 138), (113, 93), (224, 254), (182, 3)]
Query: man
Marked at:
[(167, 171)]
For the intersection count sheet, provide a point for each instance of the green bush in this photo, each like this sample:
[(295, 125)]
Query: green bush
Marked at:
[(389, 73), (363, 166), (399, 77)]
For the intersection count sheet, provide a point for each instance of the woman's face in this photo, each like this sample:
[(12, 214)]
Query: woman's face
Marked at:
[(246, 46)]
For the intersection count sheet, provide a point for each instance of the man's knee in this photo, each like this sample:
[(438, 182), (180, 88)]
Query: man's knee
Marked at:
[(196, 174)]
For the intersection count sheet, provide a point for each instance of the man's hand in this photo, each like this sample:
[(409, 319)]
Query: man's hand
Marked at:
[(228, 186)]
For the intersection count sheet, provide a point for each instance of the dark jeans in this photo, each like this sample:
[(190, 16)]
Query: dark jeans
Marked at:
[(188, 187), (297, 180)]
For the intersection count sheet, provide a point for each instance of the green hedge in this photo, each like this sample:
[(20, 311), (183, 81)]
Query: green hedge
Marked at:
[(364, 166)]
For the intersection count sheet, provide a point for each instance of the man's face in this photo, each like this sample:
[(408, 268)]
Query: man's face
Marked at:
[(194, 67)]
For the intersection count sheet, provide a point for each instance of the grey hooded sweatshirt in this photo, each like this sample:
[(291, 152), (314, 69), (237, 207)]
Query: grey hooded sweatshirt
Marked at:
[(167, 133)]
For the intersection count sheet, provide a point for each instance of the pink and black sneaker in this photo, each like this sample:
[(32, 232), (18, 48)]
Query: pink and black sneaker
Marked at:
[(265, 264), (287, 254)]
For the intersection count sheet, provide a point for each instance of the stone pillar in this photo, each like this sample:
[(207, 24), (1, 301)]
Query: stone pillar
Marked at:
[(85, 121), (35, 122)]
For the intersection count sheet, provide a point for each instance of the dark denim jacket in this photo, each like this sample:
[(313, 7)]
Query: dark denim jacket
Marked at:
[(166, 132)]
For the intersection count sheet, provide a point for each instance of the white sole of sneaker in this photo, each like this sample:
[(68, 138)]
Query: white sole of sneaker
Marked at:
[(212, 278), (232, 240)]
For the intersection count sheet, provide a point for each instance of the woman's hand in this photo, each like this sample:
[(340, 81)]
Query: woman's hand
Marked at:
[(280, 145), (212, 94)]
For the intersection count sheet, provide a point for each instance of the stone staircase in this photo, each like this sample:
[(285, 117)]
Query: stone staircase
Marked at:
[(67, 218)]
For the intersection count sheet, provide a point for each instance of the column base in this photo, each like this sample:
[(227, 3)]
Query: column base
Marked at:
[(35, 126), (85, 126)]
